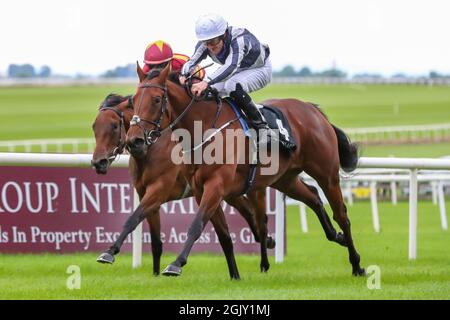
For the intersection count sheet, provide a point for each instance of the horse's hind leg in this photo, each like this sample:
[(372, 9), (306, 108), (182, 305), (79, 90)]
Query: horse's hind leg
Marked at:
[(298, 190), (245, 208), (332, 190)]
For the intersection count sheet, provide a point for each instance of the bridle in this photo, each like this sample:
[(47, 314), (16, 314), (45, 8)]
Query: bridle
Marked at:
[(121, 144), (151, 136)]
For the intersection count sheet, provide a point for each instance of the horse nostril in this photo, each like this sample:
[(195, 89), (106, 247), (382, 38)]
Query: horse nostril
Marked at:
[(136, 143), (102, 163), (139, 143)]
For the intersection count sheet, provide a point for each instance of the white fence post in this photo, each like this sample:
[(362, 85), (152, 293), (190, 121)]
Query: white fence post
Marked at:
[(348, 188), (303, 222), (373, 201), (137, 238), (412, 252), (279, 226), (442, 205), (394, 192), (434, 192)]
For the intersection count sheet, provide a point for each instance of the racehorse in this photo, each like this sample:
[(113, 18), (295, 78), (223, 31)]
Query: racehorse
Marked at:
[(322, 149), (156, 179)]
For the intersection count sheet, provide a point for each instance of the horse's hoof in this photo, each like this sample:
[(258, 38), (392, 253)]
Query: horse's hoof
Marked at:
[(235, 277), (265, 268), (106, 257), (172, 271), (359, 272), (270, 243)]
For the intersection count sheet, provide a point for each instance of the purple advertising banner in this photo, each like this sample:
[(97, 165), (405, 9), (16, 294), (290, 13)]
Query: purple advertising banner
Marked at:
[(75, 210)]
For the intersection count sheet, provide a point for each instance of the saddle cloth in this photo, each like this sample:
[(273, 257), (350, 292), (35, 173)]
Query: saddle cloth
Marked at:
[(275, 120)]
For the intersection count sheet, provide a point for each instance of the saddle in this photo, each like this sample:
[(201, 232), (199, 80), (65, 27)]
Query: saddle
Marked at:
[(275, 120)]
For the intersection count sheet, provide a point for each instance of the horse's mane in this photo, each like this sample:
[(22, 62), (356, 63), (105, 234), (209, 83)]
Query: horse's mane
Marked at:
[(174, 77), (153, 74), (113, 100)]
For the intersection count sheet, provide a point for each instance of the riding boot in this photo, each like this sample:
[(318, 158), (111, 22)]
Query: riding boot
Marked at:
[(244, 101)]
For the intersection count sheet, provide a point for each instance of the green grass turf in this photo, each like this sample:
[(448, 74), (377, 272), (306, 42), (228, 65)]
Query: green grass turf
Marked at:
[(59, 112), (313, 268), (68, 112), (422, 150)]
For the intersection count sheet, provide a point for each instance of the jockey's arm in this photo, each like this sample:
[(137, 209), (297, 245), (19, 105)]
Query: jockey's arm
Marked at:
[(199, 87), (231, 64), (199, 55)]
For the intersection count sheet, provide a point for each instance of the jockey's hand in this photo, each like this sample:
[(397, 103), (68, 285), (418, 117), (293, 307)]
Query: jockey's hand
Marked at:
[(182, 79), (199, 87)]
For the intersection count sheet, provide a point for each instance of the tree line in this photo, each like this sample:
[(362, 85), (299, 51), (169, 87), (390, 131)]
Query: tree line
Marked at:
[(129, 71)]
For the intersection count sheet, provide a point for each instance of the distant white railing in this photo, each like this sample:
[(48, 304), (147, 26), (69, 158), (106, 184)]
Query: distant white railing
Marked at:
[(70, 145), (400, 134), (397, 134), (361, 81)]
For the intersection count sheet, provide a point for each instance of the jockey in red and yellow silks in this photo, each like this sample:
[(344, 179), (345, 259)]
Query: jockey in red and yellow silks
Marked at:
[(159, 52)]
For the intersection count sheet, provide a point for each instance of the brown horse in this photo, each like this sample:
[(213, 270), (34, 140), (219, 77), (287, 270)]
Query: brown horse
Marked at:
[(156, 179), (321, 150)]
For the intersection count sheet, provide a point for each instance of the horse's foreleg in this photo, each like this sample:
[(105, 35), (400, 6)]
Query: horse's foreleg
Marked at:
[(258, 200), (221, 228), (155, 234), (210, 201), (131, 224)]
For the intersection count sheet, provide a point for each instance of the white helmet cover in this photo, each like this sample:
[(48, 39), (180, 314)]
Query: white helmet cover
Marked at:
[(210, 26)]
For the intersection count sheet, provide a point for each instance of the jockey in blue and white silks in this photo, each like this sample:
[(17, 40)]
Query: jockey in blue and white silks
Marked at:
[(245, 64)]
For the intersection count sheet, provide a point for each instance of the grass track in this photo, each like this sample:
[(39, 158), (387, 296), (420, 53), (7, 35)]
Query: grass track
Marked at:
[(313, 267), (68, 112)]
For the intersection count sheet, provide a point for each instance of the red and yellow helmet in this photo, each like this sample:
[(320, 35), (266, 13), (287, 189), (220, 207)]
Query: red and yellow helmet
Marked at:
[(180, 59), (158, 52)]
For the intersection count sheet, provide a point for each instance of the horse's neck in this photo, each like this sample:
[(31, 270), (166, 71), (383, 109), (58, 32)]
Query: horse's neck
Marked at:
[(127, 115), (178, 98), (180, 101)]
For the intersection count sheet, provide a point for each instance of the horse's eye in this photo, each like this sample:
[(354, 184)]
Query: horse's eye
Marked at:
[(157, 100), (114, 126)]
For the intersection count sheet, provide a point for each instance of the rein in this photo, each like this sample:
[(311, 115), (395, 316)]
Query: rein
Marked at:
[(151, 136)]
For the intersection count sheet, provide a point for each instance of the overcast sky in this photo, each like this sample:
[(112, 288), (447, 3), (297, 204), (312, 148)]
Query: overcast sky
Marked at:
[(89, 37)]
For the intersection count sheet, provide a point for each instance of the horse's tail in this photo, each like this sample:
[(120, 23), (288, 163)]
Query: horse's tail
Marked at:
[(348, 151)]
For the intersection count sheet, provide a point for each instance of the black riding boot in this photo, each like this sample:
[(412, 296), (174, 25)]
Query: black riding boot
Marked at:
[(244, 101)]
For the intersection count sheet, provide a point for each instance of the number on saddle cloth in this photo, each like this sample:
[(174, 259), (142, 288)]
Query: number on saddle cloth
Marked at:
[(277, 121)]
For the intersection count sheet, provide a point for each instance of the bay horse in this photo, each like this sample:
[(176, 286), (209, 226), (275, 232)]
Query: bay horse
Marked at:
[(322, 149), (156, 179)]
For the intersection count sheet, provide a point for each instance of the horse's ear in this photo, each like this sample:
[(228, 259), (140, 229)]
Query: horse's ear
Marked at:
[(164, 73), (140, 72)]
